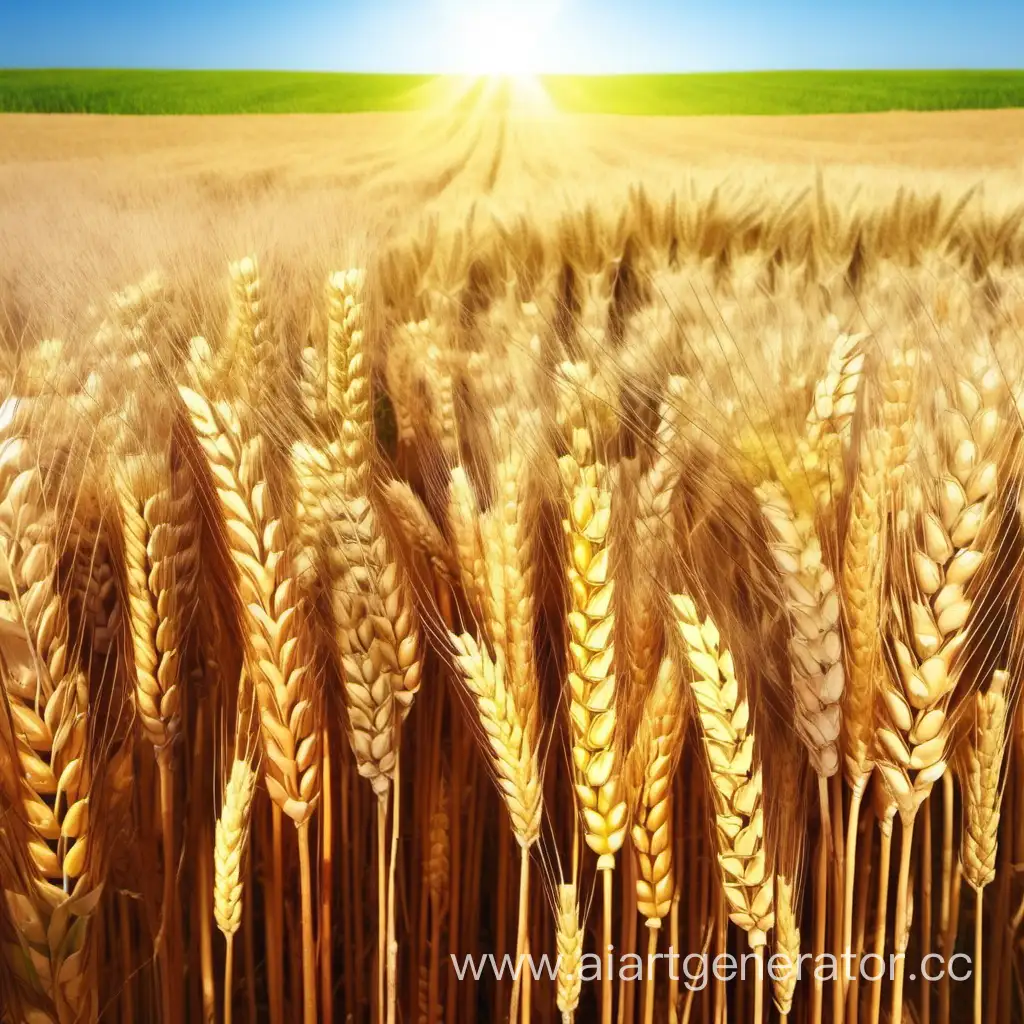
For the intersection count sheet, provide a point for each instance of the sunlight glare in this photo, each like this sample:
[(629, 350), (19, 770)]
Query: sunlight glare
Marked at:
[(498, 37)]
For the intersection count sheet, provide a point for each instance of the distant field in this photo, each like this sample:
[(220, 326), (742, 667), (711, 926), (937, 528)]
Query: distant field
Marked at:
[(788, 92), (273, 92), (98, 91)]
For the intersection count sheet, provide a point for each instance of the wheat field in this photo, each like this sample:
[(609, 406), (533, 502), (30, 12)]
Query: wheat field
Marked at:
[(418, 550)]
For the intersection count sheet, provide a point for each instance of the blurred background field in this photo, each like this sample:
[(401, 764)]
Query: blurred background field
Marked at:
[(113, 91)]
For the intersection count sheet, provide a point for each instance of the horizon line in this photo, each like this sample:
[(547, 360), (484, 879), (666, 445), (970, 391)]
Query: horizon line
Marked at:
[(537, 74)]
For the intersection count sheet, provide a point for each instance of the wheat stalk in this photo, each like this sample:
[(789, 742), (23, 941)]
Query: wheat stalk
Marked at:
[(982, 774), (656, 749), (592, 692), (569, 944), (161, 555), (933, 612), (816, 651), (279, 648), (932, 620), (47, 698), (829, 424), (591, 650), (513, 752), (230, 840), (643, 602), (467, 542), (231, 837), (728, 744), (437, 876), (982, 788), (420, 530), (787, 945)]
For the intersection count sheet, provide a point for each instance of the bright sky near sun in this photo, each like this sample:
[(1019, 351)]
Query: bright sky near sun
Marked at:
[(512, 36)]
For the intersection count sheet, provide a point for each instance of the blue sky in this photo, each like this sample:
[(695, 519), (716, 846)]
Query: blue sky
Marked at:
[(545, 35)]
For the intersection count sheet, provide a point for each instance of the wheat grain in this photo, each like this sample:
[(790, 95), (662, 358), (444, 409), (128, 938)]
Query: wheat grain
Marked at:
[(728, 744), (279, 655), (230, 842), (933, 612), (420, 530), (816, 651), (514, 755), (863, 568), (47, 698), (161, 551), (787, 945), (592, 710), (828, 428), (569, 942), (982, 788), (657, 749)]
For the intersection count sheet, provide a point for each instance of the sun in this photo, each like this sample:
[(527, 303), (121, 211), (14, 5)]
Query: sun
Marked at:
[(498, 37)]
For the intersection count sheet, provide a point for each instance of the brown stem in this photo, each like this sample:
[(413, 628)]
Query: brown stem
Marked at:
[(759, 986), (901, 933), (522, 935), (946, 894), (229, 961), (721, 939), (820, 898), (127, 960), (432, 985), (167, 950), (954, 909), (673, 975), (205, 897), (326, 883), (308, 943), (853, 990), (501, 916), (926, 906), (358, 854), (455, 859), (652, 949), (979, 948), (382, 902), (852, 833), (606, 973), (249, 950), (275, 921), (349, 861), (881, 909), (392, 958), (835, 819), (627, 989)]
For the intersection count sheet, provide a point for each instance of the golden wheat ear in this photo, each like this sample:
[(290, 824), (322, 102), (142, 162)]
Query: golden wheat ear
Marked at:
[(735, 773), (933, 621), (47, 699), (230, 841), (569, 943)]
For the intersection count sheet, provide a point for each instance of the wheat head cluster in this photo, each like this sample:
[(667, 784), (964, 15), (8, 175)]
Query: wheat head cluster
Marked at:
[(646, 582)]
